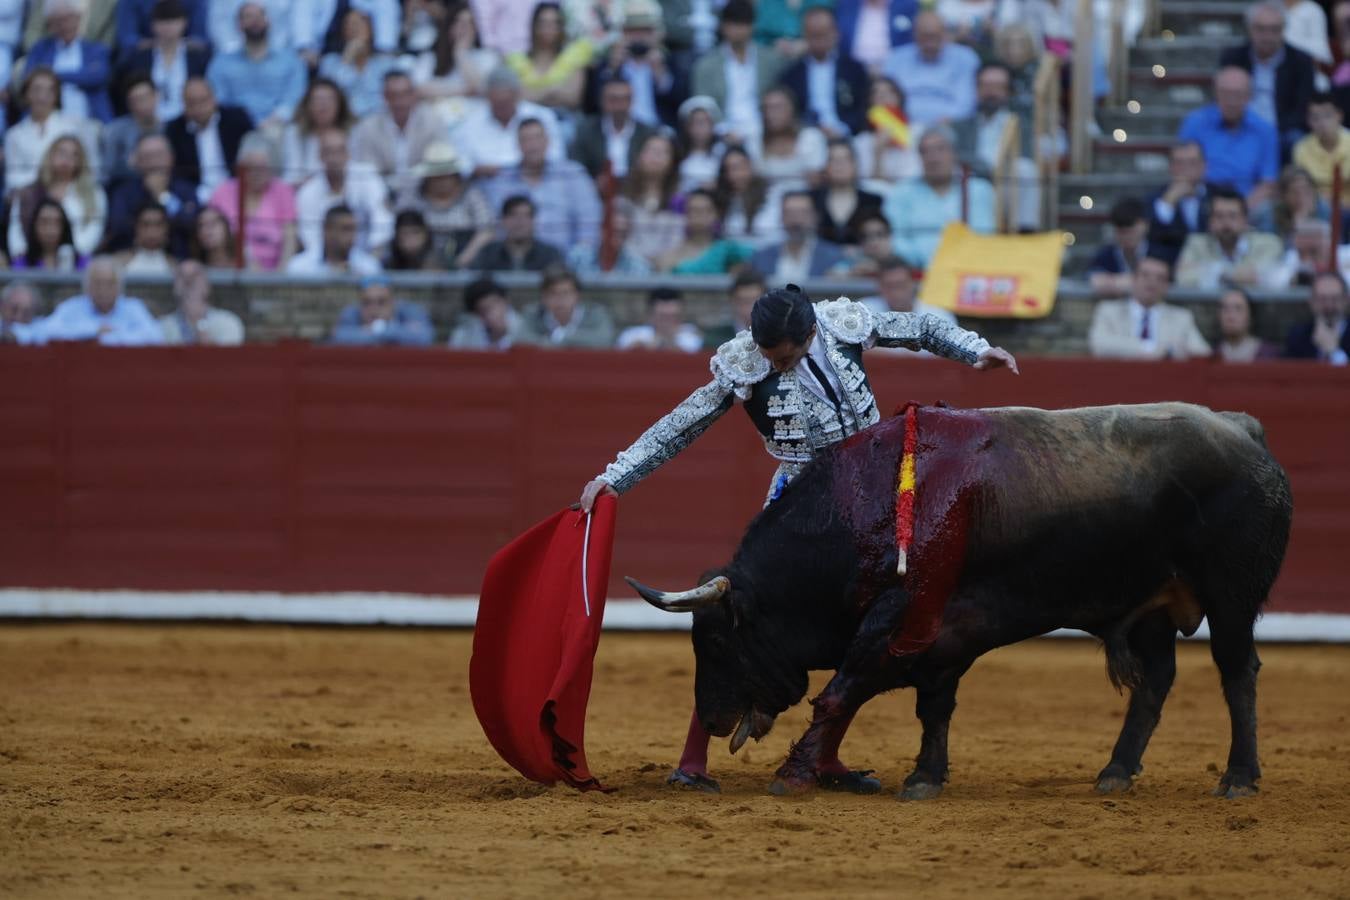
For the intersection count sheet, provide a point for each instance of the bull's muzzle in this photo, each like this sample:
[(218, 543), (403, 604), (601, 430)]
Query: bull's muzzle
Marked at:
[(683, 601)]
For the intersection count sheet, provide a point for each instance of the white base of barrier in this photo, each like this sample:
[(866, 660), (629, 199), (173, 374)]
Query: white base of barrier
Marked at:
[(452, 612)]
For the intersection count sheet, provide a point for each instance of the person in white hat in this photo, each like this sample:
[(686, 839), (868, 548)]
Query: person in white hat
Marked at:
[(457, 214)]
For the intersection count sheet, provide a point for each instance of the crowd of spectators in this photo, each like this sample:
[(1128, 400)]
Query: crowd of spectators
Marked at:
[(780, 140)]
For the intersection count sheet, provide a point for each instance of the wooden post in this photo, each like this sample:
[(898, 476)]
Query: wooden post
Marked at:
[(1081, 104)]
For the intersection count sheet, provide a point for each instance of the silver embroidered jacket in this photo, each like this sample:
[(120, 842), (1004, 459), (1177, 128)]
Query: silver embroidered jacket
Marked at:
[(793, 415)]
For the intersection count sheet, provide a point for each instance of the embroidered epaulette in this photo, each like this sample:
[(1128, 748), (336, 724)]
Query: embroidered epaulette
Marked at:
[(739, 363), (847, 320)]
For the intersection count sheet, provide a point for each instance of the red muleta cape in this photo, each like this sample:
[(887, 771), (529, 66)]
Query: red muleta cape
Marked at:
[(534, 643)]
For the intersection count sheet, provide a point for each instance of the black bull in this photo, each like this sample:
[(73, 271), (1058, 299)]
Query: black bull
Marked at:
[(1128, 522)]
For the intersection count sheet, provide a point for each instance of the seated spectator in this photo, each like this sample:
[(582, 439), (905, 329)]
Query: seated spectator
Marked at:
[(168, 57), (1326, 147), (395, 139), (875, 244), (317, 26), (1183, 206), (139, 27), (1296, 201), (968, 22), (665, 329), (205, 138), (518, 251), (336, 253), (871, 29), (919, 210), (639, 57), (587, 259), (978, 139), (323, 108), (702, 252), (84, 67), (888, 148), (380, 319), (1281, 75), (567, 207), (746, 288), (1325, 337), (459, 217), (149, 242), (827, 82), (120, 136), (1144, 327), (743, 200), (1111, 272), (18, 312), (1305, 28), (786, 154), (1242, 149), (561, 319), (700, 148), (897, 292), (222, 25), (457, 65), (1015, 48), (778, 25), (196, 321), (49, 241), (801, 256), (343, 182), (1231, 253), (412, 248), (1309, 254), (64, 176), (488, 137), (553, 71), (102, 313), (652, 189), (1237, 343), (489, 323), (267, 80), (937, 76), (212, 243), (840, 204), (152, 180), (26, 143), (268, 231), (359, 69), (737, 72), (613, 137)]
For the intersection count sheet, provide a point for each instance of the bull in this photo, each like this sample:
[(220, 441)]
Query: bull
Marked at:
[(1131, 523)]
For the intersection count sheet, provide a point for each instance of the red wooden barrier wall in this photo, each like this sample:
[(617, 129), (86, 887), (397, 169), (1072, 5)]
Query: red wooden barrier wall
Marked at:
[(301, 468)]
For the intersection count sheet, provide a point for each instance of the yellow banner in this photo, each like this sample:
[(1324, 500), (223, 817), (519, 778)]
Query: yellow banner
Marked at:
[(1009, 276)]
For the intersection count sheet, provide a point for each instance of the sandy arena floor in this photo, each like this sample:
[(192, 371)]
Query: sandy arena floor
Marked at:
[(153, 761)]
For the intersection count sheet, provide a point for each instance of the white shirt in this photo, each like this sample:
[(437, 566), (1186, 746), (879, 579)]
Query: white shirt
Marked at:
[(363, 190), (742, 112), (617, 144), (210, 157), (484, 141), (1305, 27), (169, 76), (872, 39), (1138, 314), (639, 337), (808, 378), (820, 92), (794, 269), (70, 58), (311, 262), (27, 141)]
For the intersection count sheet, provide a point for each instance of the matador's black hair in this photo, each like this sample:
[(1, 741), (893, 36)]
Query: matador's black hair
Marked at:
[(782, 314)]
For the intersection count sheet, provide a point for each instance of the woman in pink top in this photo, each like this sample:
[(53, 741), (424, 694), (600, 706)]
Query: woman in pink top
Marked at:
[(268, 234)]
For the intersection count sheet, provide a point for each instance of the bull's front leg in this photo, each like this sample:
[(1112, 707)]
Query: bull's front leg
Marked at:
[(814, 760), (934, 707)]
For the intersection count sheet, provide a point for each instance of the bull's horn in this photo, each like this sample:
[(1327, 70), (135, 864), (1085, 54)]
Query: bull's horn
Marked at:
[(684, 601)]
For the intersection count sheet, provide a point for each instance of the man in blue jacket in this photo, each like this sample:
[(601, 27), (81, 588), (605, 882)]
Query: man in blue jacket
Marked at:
[(84, 67)]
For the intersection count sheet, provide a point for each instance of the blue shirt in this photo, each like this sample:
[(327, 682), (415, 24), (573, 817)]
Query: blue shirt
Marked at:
[(1243, 156), (920, 214), (942, 89), (567, 207), (266, 87), (820, 92), (410, 327), (128, 323)]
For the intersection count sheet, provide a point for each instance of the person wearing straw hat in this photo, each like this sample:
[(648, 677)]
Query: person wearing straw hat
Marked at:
[(457, 213)]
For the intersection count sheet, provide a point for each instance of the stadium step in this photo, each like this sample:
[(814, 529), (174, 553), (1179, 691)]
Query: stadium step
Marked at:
[(1101, 190), (1208, 18), (1087, 225), (1181, 52), (1156, 85), (1138, 118), (1140, 154)]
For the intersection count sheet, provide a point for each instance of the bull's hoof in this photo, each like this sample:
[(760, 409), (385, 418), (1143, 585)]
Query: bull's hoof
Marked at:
[(790, 787), (921, 790), (1114, 780), (859, 782), (694, 781), (1236, 784)]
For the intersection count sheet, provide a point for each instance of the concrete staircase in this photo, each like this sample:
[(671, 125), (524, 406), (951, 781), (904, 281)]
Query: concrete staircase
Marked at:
[(1170, 75)]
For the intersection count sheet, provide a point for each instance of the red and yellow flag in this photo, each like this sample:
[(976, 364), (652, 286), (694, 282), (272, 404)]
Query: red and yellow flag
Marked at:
[(891, 123)]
